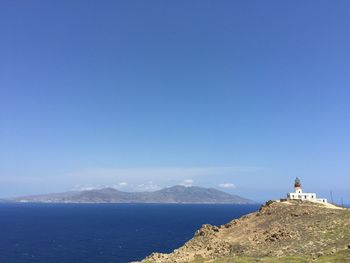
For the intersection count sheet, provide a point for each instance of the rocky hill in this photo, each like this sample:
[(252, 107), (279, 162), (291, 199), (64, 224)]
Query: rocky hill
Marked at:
[(175, 194), (289, 231)]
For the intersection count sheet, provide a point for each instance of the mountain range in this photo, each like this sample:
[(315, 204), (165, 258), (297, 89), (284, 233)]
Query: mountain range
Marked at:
[(175, 194)]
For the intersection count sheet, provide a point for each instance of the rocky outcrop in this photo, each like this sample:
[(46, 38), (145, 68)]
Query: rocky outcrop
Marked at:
[(278, 229)]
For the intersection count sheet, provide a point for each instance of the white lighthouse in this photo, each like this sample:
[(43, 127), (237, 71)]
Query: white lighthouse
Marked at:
[(299, 195)]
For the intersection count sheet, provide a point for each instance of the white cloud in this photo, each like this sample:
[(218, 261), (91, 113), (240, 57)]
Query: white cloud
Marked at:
[(228, 185), (132, 179), (187, 182), (87, 187), (148, 187), (121, 185)]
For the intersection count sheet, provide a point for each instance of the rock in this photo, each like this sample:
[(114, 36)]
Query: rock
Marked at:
[(266, 205), (320, 254)]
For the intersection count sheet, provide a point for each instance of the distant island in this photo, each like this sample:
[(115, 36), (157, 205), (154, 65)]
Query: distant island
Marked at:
[(172, 195)]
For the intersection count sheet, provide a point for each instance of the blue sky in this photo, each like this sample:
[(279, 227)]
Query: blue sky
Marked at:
[(239, 95)]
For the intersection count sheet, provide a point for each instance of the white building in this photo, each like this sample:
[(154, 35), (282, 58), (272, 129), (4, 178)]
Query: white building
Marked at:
[(299, 195)]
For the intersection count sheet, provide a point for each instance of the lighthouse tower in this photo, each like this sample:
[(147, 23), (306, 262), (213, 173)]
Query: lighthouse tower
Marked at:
[(297, 186), (299, 195)]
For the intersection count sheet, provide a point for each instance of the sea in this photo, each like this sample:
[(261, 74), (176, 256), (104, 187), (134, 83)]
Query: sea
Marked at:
[(102, 233)]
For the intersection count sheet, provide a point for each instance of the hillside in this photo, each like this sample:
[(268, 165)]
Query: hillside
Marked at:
[(175, 194), (290, 231)]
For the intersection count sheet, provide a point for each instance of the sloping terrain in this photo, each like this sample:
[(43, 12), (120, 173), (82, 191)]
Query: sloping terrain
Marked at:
[(290, 231)]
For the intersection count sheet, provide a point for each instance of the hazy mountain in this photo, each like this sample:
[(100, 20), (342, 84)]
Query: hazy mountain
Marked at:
[(175, 194)]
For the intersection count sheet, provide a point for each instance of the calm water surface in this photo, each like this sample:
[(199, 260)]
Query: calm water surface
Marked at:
[(102, 233)]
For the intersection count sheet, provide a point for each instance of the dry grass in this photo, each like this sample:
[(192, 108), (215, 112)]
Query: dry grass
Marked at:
[(341, 256)]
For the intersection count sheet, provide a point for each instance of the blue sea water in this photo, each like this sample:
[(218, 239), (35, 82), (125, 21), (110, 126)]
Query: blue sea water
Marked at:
[(102, 233)]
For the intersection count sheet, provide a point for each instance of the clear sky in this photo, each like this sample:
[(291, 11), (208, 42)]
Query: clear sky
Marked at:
[(242, 96)]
